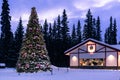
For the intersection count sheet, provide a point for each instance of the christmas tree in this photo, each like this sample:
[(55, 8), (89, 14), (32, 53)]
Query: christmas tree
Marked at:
[(33, 55)]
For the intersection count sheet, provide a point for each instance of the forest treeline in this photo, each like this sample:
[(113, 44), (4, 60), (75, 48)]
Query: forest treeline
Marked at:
[(57, 35)]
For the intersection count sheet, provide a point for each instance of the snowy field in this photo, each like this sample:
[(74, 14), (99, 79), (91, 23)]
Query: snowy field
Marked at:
[(61, 74)]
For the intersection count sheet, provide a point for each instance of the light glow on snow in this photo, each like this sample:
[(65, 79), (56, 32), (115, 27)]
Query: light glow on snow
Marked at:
[(62, 74)]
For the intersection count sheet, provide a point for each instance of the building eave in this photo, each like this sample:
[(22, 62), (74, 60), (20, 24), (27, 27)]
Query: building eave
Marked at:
[(93, 40)]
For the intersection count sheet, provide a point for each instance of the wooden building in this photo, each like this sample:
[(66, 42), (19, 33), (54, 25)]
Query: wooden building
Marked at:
[(94, 54)]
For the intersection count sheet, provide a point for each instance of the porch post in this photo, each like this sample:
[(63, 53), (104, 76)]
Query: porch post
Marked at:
[(117, 59), (105, 56), (78, 58)]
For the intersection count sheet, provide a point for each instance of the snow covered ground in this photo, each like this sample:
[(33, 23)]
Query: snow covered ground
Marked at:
[(61, 74)]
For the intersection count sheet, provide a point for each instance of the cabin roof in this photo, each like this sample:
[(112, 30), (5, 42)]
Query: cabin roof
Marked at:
[(115, 47)]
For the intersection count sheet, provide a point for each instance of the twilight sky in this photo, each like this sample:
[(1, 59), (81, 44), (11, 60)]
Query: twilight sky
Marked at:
[(76, 9)]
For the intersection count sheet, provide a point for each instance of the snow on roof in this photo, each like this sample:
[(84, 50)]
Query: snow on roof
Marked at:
[(117, 47)]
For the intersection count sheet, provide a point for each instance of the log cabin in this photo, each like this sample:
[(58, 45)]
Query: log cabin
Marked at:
[(94, 54)]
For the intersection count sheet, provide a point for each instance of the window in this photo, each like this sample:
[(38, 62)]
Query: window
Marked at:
[(92, 62)]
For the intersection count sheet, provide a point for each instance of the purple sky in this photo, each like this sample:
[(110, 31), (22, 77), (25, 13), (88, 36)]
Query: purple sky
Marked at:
[(76, 9)]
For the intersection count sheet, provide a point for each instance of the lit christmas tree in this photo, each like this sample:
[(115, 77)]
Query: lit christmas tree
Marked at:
[(33, 55)]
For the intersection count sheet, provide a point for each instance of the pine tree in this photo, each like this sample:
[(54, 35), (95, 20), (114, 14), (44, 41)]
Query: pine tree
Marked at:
[(58, 43), (98, 32), (65, 38), (79, 32), (54, 30), (50, 46), (111, 31), (33, 54), (114, 32), (54, 37), (50, 31), (6, 34), (65, 30), (58, 28), (19, 36), (106, 35), (45, 30), (84, 35), (88, 26), (1, 52), (73, 35), (94, 31)]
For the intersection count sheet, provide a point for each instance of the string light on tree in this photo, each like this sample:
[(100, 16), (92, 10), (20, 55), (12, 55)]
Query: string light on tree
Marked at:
[(33, 54)]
